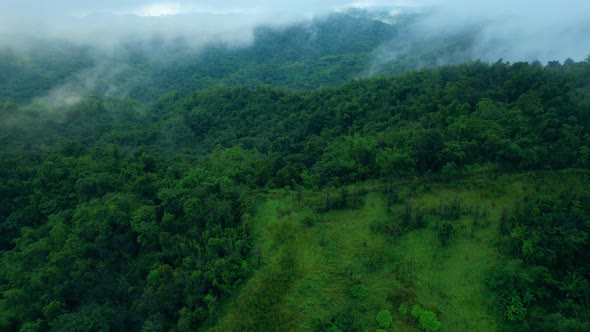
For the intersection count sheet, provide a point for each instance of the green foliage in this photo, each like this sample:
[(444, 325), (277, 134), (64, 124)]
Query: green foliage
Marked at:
[(427, 319), (347, 160), (547, 235), (404, 310), (127, 241), (515, 309), (384, 318)]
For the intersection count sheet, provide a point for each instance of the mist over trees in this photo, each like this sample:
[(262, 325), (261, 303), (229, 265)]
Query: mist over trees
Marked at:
[(294, 52), (325, 51)]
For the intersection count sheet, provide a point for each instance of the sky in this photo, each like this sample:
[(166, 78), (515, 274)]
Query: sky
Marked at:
[(514, 28)]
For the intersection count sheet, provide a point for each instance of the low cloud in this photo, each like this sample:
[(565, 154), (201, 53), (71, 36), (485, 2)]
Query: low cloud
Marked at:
[(107, 22), (455, 31), (106, 78)]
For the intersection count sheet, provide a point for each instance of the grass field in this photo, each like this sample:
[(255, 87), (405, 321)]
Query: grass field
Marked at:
[(331, 271)]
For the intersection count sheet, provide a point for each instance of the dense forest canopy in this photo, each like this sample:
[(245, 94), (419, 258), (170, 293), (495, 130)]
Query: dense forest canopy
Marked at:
[(117, 216), (306, 181)]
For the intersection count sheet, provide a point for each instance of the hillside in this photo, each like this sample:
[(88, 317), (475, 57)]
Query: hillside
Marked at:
[(447, 248), (453, 198)]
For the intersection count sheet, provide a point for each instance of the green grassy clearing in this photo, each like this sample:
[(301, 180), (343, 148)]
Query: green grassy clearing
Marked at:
[(321, 270)]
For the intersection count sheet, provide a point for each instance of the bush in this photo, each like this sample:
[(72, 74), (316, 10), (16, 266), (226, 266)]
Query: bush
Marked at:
[(426, 318)]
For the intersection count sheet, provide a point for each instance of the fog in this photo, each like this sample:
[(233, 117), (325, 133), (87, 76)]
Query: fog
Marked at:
[(518, 30), (455, 31), (524, 30)]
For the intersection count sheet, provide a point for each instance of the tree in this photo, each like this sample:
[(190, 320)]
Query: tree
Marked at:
[(347, 160), (143, 222), (428, 146), (384, 318)]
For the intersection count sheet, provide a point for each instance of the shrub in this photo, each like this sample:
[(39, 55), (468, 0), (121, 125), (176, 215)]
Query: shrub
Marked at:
[(426, 318)]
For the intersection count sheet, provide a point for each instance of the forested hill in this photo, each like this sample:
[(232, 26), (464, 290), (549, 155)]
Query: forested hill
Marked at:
[(520, 116), (325, 51), (120, 217)]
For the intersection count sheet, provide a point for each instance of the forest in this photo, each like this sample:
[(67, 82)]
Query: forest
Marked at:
[(448, 198)]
